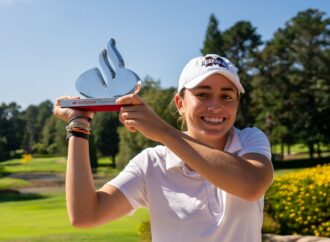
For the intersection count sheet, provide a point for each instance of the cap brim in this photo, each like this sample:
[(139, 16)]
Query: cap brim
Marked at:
[(196, 81)]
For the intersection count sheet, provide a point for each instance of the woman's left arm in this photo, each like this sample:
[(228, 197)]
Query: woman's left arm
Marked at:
[(247, 177)]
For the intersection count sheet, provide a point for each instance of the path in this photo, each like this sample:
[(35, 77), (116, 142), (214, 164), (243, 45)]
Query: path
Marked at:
[(43, 183)]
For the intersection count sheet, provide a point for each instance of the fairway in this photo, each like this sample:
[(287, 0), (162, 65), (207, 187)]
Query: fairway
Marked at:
[(42, 216), (46, 220)]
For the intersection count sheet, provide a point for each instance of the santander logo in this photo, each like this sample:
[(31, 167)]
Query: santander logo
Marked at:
[(85, 102)]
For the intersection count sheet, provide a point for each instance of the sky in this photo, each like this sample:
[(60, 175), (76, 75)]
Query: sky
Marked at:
[(46, 44)]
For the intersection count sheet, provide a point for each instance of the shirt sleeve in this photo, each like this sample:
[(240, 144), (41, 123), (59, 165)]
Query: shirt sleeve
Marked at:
[(131, 181), (253, 140)]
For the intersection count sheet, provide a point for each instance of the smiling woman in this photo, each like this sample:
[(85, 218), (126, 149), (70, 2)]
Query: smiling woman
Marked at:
[(205, 184)]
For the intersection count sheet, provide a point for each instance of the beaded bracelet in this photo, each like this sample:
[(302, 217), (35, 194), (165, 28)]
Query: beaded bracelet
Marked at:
[(78, 127), (83, 117)]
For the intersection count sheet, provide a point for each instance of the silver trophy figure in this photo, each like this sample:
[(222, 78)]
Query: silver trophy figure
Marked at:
[(101, 91)]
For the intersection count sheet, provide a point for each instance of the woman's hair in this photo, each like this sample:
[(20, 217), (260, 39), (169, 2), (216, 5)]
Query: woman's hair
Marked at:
[(180, 120)]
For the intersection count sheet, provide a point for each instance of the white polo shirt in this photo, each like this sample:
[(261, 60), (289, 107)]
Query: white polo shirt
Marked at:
[(184, 207)]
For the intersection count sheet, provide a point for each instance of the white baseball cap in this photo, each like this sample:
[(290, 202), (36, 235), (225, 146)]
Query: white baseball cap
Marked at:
[(200, 68)]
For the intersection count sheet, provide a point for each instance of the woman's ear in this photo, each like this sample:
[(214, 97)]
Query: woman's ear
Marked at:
[(179, 104)]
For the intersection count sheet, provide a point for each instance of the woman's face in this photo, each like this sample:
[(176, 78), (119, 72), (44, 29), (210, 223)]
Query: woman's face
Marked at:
[(210, 109)]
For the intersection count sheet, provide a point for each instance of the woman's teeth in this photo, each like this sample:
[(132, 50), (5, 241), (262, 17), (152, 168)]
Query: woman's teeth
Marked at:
[(213, 120)]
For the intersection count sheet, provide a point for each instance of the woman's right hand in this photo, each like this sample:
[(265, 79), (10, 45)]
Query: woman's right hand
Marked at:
[(67, 114)]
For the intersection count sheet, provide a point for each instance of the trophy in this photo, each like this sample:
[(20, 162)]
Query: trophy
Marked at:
[(101, 93)]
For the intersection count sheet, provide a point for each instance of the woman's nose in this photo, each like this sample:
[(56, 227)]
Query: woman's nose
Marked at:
[(214, 106), (214, 109)]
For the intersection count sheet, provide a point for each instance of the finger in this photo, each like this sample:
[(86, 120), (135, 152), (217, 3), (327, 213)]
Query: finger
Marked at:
[(123, 115), (121, 119), (57, 105), (131, 129), (138, 87), (133, 116), (58, 100), (130, 124), (130, 99), (126, 116), (68, 113), (131, 108), (127, 124), (68, 97)]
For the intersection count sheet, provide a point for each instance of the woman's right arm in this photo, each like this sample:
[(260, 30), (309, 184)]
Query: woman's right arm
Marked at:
[(86, 206)]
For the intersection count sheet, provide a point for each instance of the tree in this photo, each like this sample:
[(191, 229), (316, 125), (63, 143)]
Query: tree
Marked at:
[(31, 135), (159, 99), (92, 154), (213, 43), (271, 104), (4, 152), (241, 43), (53, 137), (35, 117), (310, 74), (105, 134), (294, 66), (11, 127)]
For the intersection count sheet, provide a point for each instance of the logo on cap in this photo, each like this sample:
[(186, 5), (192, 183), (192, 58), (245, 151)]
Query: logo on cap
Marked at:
[(212, 61)]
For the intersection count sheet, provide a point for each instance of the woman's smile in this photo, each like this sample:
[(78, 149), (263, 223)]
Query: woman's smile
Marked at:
[(213, 120)]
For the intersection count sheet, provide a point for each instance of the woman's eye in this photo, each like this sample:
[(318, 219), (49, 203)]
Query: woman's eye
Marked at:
[(201, 95), (227, 98)]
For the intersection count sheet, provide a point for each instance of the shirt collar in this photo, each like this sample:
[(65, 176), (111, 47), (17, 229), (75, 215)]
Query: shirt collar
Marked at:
[(233, 145), (172, 160)]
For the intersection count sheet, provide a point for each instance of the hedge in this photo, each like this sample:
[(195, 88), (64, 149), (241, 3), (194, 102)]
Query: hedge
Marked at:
[(299, 202)]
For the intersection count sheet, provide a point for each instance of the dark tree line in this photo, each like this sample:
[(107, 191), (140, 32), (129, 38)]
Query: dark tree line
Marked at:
[(32, 130), (287, 94)]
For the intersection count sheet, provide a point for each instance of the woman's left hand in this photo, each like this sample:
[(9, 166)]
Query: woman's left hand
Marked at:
[(136, 115)]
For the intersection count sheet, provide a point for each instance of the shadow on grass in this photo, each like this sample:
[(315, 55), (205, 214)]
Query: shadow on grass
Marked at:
[(81, 237), (3, 173), (11, 164), (299, 163), (10, 195)]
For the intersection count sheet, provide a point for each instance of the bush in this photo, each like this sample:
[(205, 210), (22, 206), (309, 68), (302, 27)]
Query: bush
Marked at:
[(39, 148), (269, 225), (144, 231), (300, 203)]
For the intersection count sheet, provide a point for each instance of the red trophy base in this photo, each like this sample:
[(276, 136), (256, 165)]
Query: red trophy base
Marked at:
[(92, 104)]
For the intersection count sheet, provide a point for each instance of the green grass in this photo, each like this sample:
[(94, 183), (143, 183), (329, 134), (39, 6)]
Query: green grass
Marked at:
[(104, 167), (101, 237), (46, 220), (297, 148), (9, 183), (53, 164), (35, 217)]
